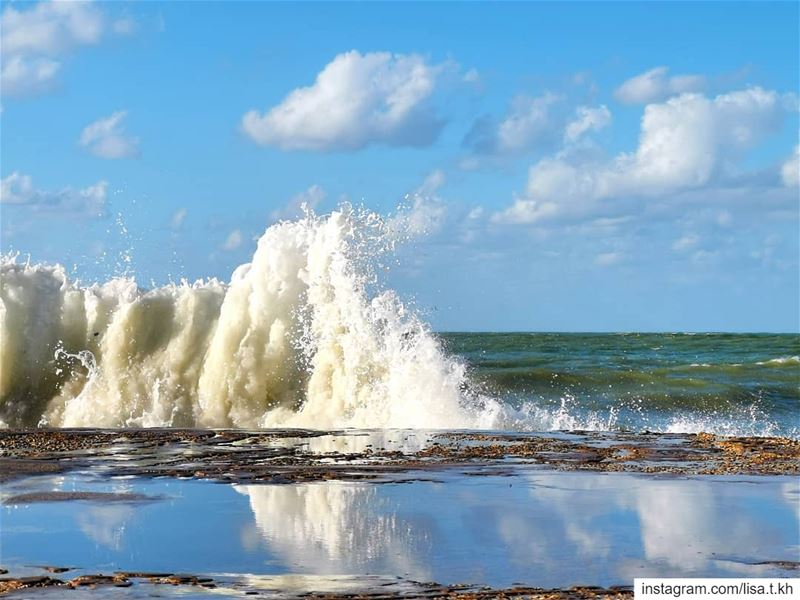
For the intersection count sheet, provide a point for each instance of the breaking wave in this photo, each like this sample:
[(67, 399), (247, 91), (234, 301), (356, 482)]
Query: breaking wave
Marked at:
[(782, 361), (301, 336), (295, 339)]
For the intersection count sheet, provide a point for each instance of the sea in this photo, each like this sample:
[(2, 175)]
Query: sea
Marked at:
[(724, 383), (305, 335)]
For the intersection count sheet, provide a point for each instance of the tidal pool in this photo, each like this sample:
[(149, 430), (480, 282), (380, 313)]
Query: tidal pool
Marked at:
[(536, 527)]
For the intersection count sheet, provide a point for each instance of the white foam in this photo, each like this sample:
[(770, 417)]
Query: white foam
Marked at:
[(295, 339), (783, 360), (302, 336)]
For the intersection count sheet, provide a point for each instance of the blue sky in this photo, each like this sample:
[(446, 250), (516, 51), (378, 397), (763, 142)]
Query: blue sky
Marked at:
[(573, 166)]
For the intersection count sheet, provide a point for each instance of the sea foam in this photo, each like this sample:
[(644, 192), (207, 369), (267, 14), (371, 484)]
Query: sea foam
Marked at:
[(301, 336), (297, 338)]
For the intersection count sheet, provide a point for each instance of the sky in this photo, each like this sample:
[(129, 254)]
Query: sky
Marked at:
[(563, 166)]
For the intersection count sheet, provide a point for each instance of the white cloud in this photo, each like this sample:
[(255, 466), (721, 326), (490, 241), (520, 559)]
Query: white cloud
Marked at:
[(724, 218), (302, 202), (790, 170), (705, 257), (356, 100), (21, 75), (587, 119), (687, 242), (582, 78), (529, 122), (432, 183), (475, 213), (178, 217), (608, 259), (424, 216), (50, 27), (655, 85), (687, 142), (18, 189), (106, 138), (472, 76), (423, 213), (469, 163), (233, 241), (124, 26), (527, 211), (34, 40), (768, 252)]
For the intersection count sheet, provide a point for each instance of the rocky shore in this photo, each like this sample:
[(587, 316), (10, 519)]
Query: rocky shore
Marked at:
[(289, 456), (356, 463), (415, 590)]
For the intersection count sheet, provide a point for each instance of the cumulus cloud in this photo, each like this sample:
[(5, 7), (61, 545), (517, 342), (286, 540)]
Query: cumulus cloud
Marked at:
[(50, 27), (687, 142), (656, 85), (233, 241), (356, 100), (21, 75), (299, 204), (528, 123), (526, 210), (790, 170), (106, 138), (18, 189), (35, 38), (587, 119)]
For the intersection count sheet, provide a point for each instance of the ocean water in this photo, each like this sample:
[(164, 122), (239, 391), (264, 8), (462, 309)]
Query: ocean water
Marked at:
[(305, 335), (737, 384)]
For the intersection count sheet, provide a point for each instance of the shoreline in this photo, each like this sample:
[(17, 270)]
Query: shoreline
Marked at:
[(410, 590), (297, 455), (384, 514)]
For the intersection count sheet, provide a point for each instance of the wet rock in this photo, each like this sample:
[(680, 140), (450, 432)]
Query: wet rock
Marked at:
[(36, 497), (50, 569), (240, 456)]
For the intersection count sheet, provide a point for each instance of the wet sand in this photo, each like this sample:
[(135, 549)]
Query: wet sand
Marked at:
[(378, 513)]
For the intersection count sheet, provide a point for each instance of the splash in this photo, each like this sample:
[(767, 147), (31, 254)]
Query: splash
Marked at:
[(298, 338), (304, 335)]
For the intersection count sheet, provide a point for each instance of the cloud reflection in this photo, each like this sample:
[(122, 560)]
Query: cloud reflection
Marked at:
[(335, 527), (549, 529)]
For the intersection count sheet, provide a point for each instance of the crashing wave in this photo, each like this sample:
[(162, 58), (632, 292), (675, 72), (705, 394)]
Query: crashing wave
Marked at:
[(295, 339)]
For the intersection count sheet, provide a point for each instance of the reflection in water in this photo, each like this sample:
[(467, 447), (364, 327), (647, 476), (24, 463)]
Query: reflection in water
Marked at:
[(327, 528), (657, 526), (549, 529), (791, 495), (407, 441), (680, 524), (565, 528), (683, 526), (106, 524)]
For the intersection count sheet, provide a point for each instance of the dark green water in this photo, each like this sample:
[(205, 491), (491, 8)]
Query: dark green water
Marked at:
[(744, 384)]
